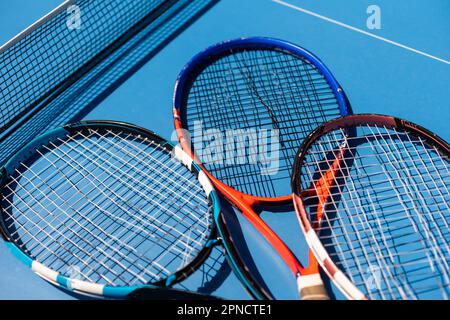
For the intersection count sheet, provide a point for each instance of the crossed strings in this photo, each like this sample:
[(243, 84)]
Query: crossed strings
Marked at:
[(259, 89), (386, 221), (114, 206)]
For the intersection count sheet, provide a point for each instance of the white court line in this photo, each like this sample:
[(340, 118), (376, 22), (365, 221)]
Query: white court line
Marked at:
[(360, 31)]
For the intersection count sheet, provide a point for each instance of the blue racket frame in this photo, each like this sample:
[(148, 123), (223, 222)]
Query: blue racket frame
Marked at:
[(196, 64), (92, 289)]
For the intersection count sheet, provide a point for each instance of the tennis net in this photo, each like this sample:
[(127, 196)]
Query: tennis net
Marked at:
[(65, 64)]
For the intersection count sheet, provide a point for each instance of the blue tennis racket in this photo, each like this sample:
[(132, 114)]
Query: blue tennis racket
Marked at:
[(108, 209)]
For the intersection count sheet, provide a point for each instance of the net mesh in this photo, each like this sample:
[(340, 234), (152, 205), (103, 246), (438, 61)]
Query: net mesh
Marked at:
[(54, 73), (107, 207), (386, 215), (249, 111)]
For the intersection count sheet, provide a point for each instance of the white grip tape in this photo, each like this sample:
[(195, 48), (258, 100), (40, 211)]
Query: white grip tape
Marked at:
[(347, 286), (307, 281), (205, 183), (316, 245), (86, 287), (44, 272), (183, 157)]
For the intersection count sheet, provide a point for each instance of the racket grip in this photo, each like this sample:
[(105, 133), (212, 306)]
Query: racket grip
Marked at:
[(311, 287), (314, 293)]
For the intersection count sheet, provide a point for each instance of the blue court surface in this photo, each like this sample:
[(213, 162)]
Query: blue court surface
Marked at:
[(400, 68)]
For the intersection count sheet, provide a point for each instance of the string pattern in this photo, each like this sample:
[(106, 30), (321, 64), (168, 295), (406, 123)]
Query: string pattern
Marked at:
[(385, 223), (46, 56), (54, 74), (107, 207), (252, 91)]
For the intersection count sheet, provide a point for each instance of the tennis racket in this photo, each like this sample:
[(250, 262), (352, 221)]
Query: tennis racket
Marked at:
[(108, 209), (256, 86), (377, 218)]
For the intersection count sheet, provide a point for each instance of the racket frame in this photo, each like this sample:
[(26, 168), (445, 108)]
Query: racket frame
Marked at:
[(308, 279), (94, 289)]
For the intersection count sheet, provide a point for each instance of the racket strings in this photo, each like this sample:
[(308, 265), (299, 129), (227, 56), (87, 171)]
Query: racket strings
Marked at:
[(265, 96), (258, 90), (233, 85), (87, 150), (391, 258), (211, 275), (437, 257), (386, 218), (44, 246), (140, 219), (391, 218), (366, 257), (111, 222), (378, 175)]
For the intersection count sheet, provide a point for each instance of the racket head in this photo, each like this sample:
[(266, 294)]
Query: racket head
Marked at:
[(105, 208), (246, 84), (382, 231)]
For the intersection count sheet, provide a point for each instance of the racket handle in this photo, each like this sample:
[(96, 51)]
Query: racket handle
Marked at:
[(314, 293), (311, 287)]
